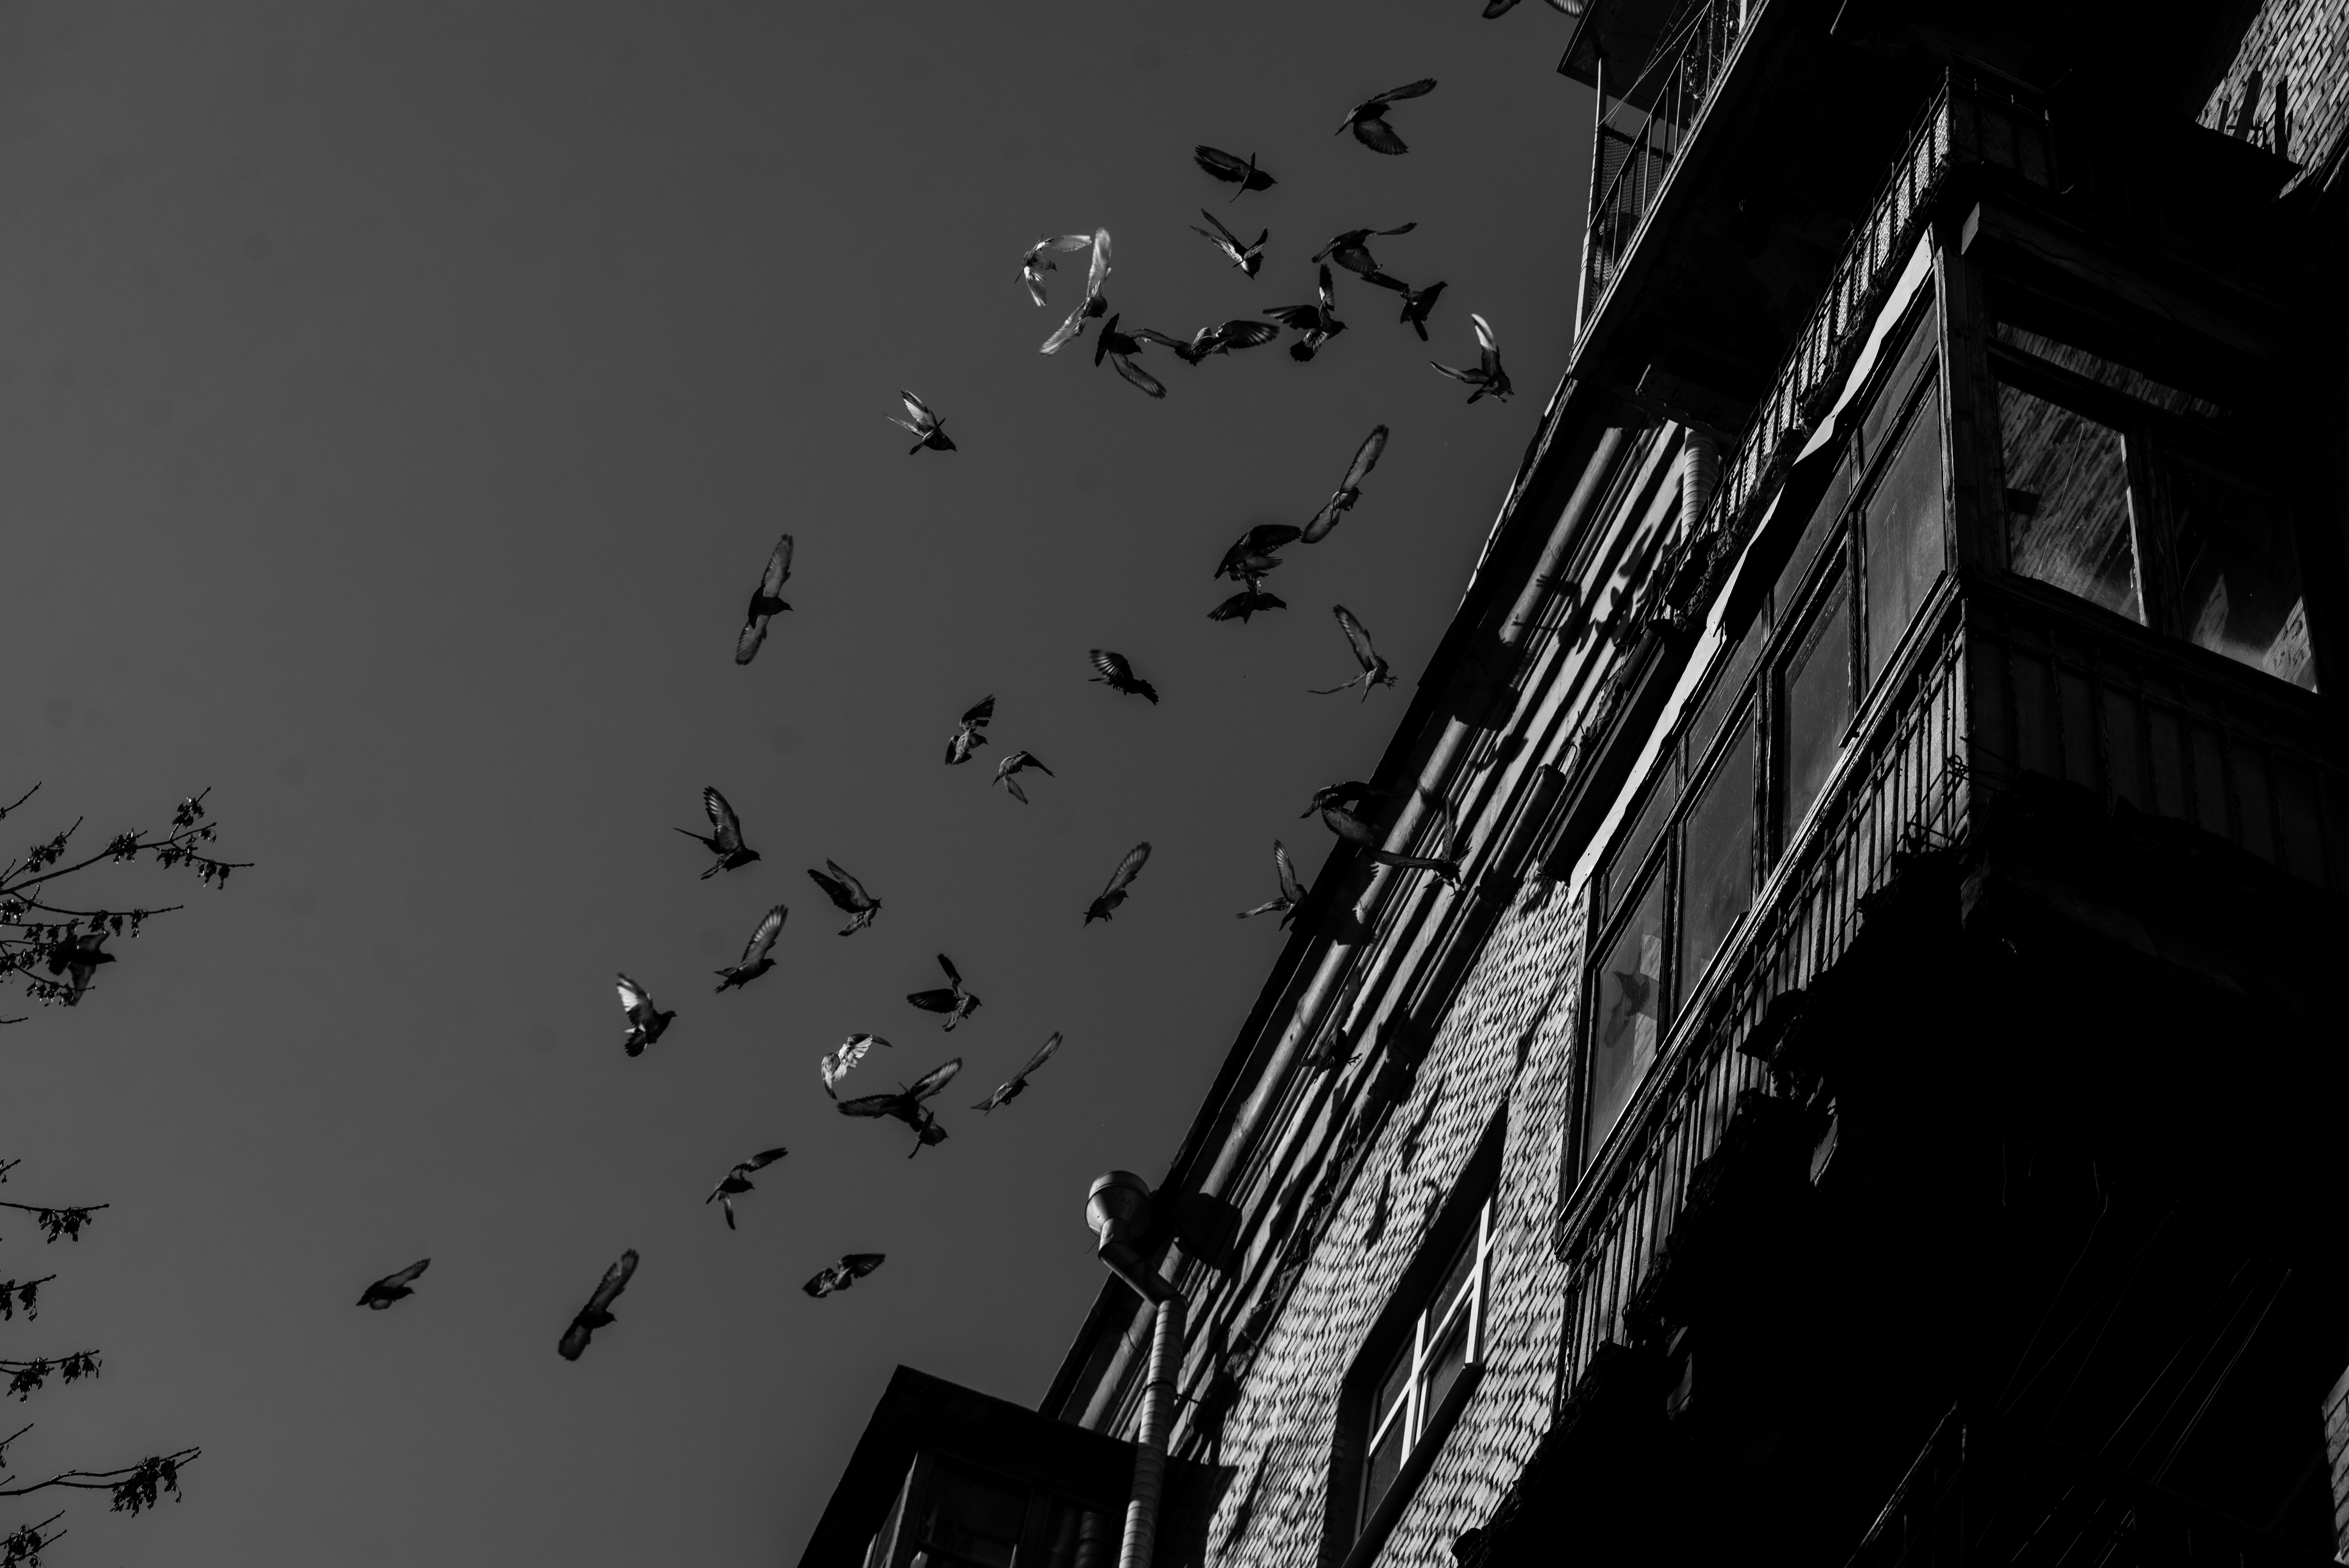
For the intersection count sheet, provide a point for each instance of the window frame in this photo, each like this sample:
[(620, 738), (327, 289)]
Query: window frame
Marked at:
[(1414, 1406)]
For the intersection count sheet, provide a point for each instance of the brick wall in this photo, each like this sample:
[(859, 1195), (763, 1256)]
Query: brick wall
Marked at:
[(2302, 46)]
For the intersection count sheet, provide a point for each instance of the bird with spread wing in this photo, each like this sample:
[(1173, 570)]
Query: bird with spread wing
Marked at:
[(76, 957), (1251, 554), (1036, 263), (1349, 489), (758, 953), (1416, 303), (1118, 674), (1011, 1088), (1374, 668), (1092, 304), (852, 1267), (393, 1286), (923, 424), (1019, 762), (1488, 378), (1352, 794), (766, 600), (1233, 171), (597, 1312), (848, 895), (1367, 119), (724, 838), (954, 999), (1316, 323), (736, 1181), (1119, 882), (1120, 347), (645, 1022), (1248, 258), (906, 1106), (970, 731), (1247, 601), (1224, 337), (1359, 832), (850, 1051), (1352, 251), (1290, 895)]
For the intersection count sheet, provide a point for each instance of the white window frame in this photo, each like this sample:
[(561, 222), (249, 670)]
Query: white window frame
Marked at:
[(1412, 1406)]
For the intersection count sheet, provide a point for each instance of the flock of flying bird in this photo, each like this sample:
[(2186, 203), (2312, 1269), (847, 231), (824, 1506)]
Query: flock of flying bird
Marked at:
[(1347, 809)]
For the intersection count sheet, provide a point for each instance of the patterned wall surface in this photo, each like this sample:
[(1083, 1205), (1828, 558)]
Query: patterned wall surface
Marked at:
[(2303, 47)]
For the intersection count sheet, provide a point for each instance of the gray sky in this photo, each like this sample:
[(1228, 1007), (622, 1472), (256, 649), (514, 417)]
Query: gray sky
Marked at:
[(396, 404)]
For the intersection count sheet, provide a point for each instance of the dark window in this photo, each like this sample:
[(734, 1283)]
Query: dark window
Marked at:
[(1646, 827), (2068, 502), (1890, 395), (1814, 705), (1728, 687), (1716, 860), (1902, 535), (1824, 517), (970, 1521), (1627, 1013), (2238, 579)]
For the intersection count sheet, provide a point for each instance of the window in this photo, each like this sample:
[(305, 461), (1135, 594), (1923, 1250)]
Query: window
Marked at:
[(1815, 707), (1443, 1338), (2068, 502), (2239, 582), (1717, 859), (1627, 995), (969, 1521), (1903, 532), (952, 1514)]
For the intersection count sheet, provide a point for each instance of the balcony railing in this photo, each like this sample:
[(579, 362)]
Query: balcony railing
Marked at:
[(1641, 136), (1903, 791)]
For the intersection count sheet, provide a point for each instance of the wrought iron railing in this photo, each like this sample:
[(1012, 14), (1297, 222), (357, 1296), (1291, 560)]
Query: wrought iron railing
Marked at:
[(1903, 793)]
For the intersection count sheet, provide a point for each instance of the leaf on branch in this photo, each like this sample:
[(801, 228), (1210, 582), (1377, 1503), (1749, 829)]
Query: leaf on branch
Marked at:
[(14, 1294), (25, 1544), (150, 1477), (66, 1222), (28, 1377)]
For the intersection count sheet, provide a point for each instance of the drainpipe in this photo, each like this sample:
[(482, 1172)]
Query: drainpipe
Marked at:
[(1118, 1210), (1700, 476)]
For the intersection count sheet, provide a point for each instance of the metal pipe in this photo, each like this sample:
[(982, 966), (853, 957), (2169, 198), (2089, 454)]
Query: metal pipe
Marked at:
[(1150, 1448)]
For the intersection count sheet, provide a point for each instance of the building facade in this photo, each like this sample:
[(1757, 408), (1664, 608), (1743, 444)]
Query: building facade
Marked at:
[(1873, 1093)]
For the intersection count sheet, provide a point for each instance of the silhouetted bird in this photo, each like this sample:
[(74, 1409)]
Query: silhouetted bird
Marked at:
[(758, 953), (1416, 303), (1019, 762), (1223, 338), (927, 429), (1290, 895), (1120, 880), (1092, 304), (967, 737), (1121, 347), (906, 1106), (1009, 1090), (848, 895), (1367, 119), (1318, 323), (954, 1000), (77, 958), (852, 1267), (1488, 378), (1251, 556), (851, 1051), (1352, 793), (1349, 489), (1232, 170), (766, 599), (1364, 837), (1247, 602), (1503, 7), (1374, 668), (1036, 263), (1246, 257), (724, 838), (393, 1287), (1350, 251), (1118, 676), (736, 1181), (597, 1312), (645, 1023)]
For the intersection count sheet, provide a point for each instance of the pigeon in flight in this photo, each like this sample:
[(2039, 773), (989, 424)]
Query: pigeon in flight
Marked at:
[(970, 731), (394, 1286), (1233, 171), (1367, 119), (1224, 337), (1488, 378), (645, 1023), (1290, 895), (1092, 305), (736, 1181), (1350, 795), (1374, 668), (927, 428), (77, 958), (1416, 303), (597, 1312), (1503, 7), (1019, 762), (954, 999), (906, 1106), (1118, 676), (1349, 489), (1119, 880), (1251, 556), (1036, 263), (1121, 347), (1350, 250), (1318, 323), (765, 599), (758, 953), (852, 1267), (1247, 602), (851, 1051), (848, 895), (724, 838), (1248, 258), (1364, 837), (1005, 1093)]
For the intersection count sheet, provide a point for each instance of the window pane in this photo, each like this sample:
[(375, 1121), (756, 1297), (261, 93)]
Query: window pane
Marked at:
[(1817, 705), (1628, 1000), (1391, 1387), (2237, 576), (1728, 686), (1903, 536), (1824, 517), (972, 1520), (1379, 1471), (1449, 1289), (1632, 848), (2068, 502), (1444, 1366), (1717, 861), (1893, 395), (2104, 372)]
